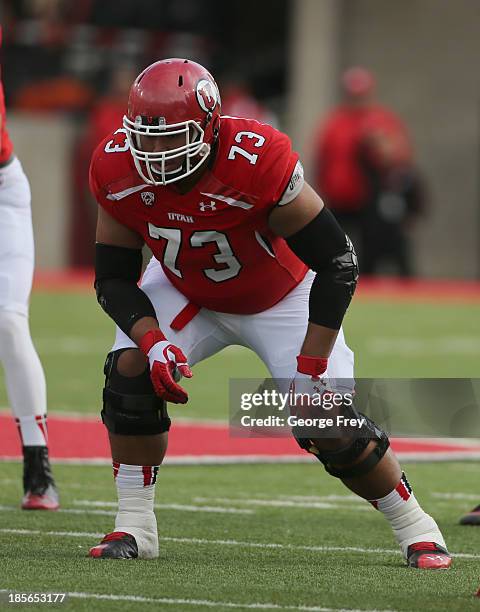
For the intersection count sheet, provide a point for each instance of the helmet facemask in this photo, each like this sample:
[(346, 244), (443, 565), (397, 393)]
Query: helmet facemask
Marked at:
[(155, 167)]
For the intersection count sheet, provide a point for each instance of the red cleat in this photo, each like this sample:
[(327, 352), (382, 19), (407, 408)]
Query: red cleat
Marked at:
[(428, 555), (41, 501), (116, 545)]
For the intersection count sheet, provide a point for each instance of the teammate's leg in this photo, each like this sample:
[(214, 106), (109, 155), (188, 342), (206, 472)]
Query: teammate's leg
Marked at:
[(24, 377), (138, 422), (366, 464)]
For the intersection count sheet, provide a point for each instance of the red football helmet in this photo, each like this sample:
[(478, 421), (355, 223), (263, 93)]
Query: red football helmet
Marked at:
[(177, 102)]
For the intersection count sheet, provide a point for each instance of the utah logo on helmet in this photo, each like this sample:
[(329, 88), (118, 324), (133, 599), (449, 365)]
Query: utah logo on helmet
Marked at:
[(207, 95)]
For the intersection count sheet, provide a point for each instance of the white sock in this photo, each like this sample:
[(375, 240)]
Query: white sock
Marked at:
[(136, 493), (33, 430), (409, 522), (24, 378)]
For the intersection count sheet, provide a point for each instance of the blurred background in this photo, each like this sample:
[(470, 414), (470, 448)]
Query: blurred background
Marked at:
[(401, 132)]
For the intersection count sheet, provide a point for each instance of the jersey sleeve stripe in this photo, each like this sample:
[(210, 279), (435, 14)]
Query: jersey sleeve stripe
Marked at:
[(126, 192)]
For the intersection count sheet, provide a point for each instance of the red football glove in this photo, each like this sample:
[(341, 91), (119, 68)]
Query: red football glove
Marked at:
[(166, 362)]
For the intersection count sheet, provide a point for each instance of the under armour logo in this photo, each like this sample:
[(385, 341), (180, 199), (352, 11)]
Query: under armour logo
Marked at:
[(211, 206)]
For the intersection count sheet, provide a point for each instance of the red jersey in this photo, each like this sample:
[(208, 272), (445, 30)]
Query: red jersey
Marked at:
[(213, 242), (6, 147)]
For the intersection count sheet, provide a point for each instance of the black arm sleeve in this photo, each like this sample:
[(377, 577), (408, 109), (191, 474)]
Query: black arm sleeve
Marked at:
[(117, 272), (326, 249)]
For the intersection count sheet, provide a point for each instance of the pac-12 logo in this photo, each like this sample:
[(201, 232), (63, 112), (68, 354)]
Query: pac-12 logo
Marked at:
[(148, 198), (207, 94)]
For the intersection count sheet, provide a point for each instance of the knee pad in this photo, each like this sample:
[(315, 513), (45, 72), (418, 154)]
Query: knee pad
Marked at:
[(130, 404), (352, 451)]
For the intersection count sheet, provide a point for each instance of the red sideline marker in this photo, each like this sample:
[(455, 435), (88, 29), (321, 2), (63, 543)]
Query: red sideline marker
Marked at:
[(85, 438)]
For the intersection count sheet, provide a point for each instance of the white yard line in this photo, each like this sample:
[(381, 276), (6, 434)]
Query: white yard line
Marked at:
[(317, 498), (274, 503), (466, 496), (304, 499), (208, 603), (266, 545), (186, 507), (355, 549), (216, 604), (69, 534), (180, 507), (197, 460), (66, 511), (277, 503)]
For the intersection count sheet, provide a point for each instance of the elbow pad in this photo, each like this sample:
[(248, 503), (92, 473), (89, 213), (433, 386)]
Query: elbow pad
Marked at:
[(326, 249), (117, 272)]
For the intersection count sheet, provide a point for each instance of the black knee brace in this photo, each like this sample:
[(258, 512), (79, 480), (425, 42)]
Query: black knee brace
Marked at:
[(348, 454), (130, 405)]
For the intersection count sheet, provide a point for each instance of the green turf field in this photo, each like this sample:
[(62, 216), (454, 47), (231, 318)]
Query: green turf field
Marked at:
[(244, 537), (275, 535), (390, 339)]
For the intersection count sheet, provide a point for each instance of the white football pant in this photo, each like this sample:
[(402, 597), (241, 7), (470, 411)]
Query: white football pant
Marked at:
[(275, 335), (24, 377)]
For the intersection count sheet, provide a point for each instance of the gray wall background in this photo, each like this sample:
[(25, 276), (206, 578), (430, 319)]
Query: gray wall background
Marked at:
[(43, 146), (425, 56)]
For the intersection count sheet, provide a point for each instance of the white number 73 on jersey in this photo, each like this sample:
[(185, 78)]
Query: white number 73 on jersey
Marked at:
[(252, 157), (224, 256)]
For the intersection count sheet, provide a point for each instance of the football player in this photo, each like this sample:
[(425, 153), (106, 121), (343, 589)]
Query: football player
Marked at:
[(245, 252), (25, 380)]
